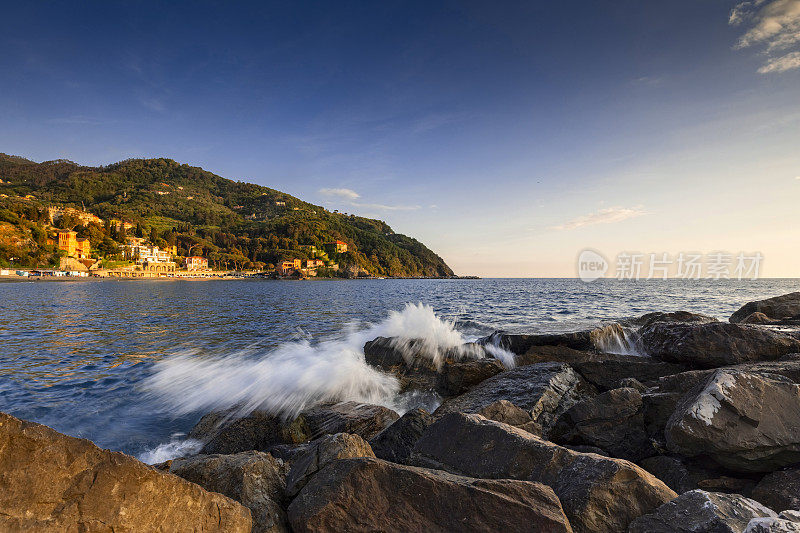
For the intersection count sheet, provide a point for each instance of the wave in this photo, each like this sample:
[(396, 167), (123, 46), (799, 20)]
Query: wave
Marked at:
[(298, 374)]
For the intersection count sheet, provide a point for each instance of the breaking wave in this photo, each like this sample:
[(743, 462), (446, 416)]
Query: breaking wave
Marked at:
[(616, 339), (296, 375)]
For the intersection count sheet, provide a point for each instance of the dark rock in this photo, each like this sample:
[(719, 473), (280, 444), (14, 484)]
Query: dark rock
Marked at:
[(321, 453), (657, 408), (507, 413), (582, 448), (598, 493), (715, 344), (263, 431), (728, 484), (288, 453), (606, 372), (375, 495), (545, 390), (779, 490), (254, 479), (757, 318), (773, 525), (779, 307), (674, 472), (553, 354), (676, 316), (612, 421), (520, 344), (458, 377), (396, 442), (52, 483), (699, 511), (744, 421), (632, 383), (365, 420)]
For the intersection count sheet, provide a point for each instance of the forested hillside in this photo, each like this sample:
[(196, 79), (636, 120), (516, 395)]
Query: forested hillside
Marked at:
[(235, 224)]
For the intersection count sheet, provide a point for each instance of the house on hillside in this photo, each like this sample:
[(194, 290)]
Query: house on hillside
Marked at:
[(69, 242), (284, 268), (337, 247)]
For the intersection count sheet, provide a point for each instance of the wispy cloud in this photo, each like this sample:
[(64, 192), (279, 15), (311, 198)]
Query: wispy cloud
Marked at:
[(773, 24), (603, 216), (348, 194), (384, 207)]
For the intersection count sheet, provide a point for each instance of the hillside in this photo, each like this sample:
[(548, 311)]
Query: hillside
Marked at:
[(234, 224)]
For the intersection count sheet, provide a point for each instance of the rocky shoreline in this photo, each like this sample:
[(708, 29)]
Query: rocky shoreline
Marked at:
[(666, 422)]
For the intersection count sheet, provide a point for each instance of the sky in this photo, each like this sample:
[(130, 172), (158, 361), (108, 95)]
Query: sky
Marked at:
[(506, 136)]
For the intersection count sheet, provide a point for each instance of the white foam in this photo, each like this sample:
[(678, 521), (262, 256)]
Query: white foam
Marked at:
[(299, 374), (170, 450)]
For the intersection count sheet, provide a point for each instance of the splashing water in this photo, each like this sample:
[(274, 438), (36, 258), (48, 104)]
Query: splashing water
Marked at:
[(614, 338), (299, 374)]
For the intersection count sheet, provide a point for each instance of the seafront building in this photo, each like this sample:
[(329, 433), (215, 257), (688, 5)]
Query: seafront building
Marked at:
[(195, 262), (69, 242)]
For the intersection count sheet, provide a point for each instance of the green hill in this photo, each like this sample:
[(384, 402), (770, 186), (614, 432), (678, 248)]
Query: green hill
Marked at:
[(235, 224)]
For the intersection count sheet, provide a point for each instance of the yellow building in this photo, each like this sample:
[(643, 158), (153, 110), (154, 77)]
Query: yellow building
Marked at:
[(68, 241)]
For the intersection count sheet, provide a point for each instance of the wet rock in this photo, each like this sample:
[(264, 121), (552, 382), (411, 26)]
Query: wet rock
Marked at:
[(676, 316), (699, 511), (545, 390), (612, 421), (322, 452), (223, 433), (779, 490), (254, 479), (396, 442), (458, 377), (715, 344), (744, 421), (779, 307), (597, 493), (288, 453), (375, 495), (606, 372), (520, 344), (365, 420), (53, 483)]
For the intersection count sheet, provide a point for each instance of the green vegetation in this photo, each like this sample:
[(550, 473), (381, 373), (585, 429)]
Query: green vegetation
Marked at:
[(234, 224)]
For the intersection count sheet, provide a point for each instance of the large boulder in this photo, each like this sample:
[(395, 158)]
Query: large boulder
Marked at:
[(52, 483), (744, 421), (224, 433), (671, 317), (508, 413), (715, 344), (457, 377), (375, 495), (396, 442), (779, 307), (520, 344), (612, 421), (699, 511), (545, 390), (255, 479), (779, 490), (607, 371), (322, 452), (598, 493)]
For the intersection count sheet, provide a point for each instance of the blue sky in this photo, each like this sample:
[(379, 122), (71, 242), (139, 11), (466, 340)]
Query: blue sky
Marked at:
[(506, 136)]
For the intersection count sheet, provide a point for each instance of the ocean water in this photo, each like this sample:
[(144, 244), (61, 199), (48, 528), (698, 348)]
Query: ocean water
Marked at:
[(133, 364)]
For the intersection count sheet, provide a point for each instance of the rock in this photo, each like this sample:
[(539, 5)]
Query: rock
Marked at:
[(612, 421), (545, 390), (597, 493), (520, 344), (507, 413), (699, 511), (779, 490), (757, 318), (255, 479), (396, 442), (632, 383), (362, 419), (744, 421), (727, 484), (375, 495), (458, 377), (773, 525), (53, 483), (674, 472), (321, 453), (288, 453), (676, 316), (657, 408), (715, 344), (606, 372), (263, 431), (779, 307)]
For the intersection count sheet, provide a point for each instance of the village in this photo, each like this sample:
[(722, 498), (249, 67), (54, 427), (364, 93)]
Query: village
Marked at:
[(144, 259)]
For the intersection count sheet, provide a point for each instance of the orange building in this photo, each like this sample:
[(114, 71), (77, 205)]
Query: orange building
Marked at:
[(338, 247), (195, 262), (68, 241), (287, 267)]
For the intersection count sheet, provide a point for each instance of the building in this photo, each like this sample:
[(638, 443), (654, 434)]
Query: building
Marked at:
[(69, 242), (338, 247), (142, 253), (314, 263), (287, 267), (195, 262)]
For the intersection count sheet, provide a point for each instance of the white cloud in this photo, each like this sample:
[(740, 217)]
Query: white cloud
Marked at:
[(384, 207), (603, 216), (348, 194), (775, 25), (781, 64)]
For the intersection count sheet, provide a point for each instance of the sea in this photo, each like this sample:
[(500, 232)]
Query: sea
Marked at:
[(133, 364)]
